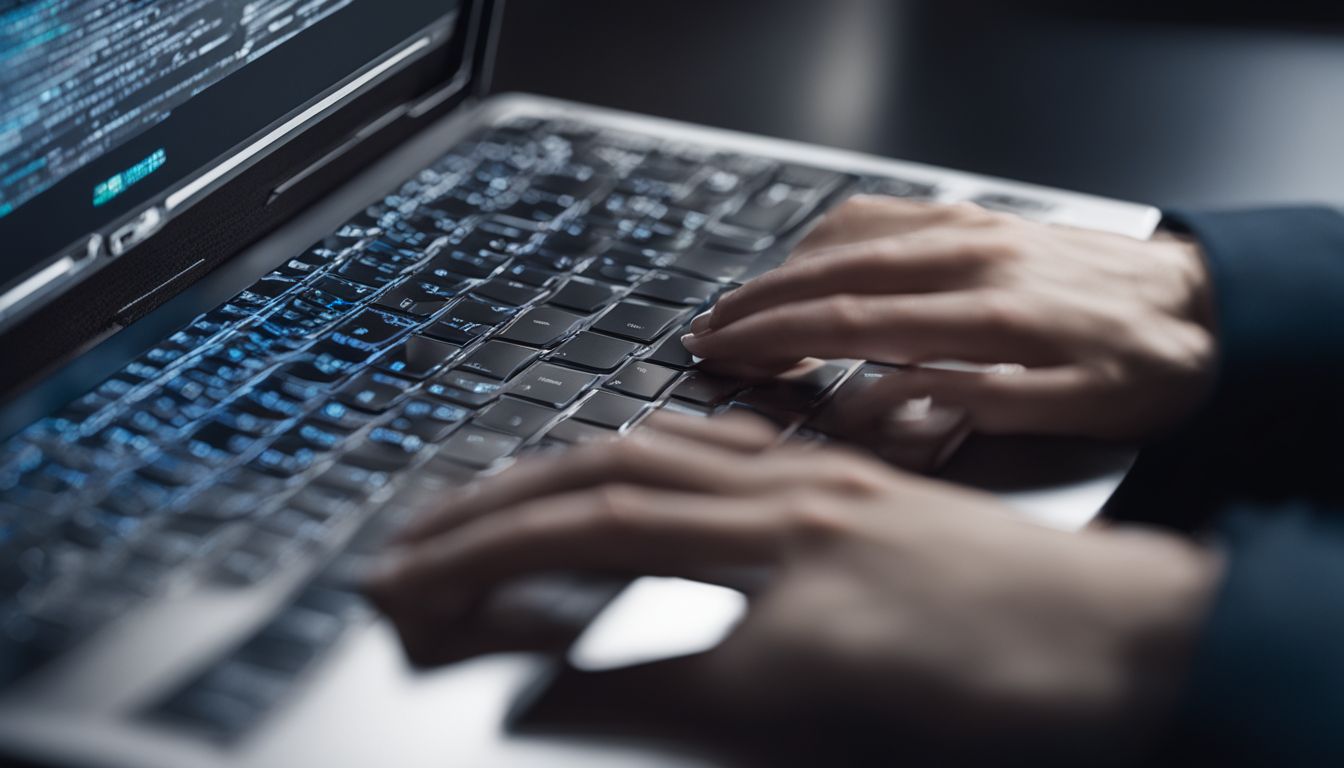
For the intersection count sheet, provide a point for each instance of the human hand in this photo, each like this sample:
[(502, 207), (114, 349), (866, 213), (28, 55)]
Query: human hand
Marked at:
[(1087, 333), (893, 599)]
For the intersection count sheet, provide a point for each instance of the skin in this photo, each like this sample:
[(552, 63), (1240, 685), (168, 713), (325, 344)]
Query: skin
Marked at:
[(877, 597), (1102, 335)]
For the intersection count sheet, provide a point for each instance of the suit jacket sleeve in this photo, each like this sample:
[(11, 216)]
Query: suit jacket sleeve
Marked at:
[(1261, 470)]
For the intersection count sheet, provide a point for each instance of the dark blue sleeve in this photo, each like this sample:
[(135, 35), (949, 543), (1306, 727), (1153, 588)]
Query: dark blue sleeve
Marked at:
[(1274, 425), (1260, 469), (1267, 683)]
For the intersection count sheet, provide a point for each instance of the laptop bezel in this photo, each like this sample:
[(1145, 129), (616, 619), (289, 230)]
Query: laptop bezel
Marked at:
[(180, 243)]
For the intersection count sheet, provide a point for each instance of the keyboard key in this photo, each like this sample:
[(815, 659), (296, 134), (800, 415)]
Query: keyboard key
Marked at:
[(573, 432), (607, 409), (418, 357), (507, 292), (478, 448), (613, 270), (713, 264), (677, 289), (428, 420), (515, 417), (552, 385), (672, 353), (542, 327), (703, 389), (421, 298), (529, 275), (464, 388), (594, 351), (795, 393), (370, 329), (638, 322), (467, 321), (772, 210), (642, 379), (498, 359), (374, 392), (584, 296)]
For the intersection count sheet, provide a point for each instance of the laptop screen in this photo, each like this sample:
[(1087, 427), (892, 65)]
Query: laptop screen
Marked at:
[(105, 104)]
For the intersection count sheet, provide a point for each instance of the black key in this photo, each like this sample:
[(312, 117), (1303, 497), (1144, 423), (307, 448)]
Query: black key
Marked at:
[(584, 296), (428, 420), (552, 385), (594, 351), (515, 417), (676, 289), (795, 393), (420, 298), (468, 320), (529, 275), (609, 410), (498, 359), (638, 322), (571, 431), (613, 270), (506, 292), (817, 181), (373, 392), (769, 212), (672, 353), (390, 451), (478, 312), (479, 448), (703, 389), (340, 416), (542, 326), (368, 269), (464, 389), (461, 263), (418, 357), (642, 379), (370, 329), (713, 264), (578, 188)]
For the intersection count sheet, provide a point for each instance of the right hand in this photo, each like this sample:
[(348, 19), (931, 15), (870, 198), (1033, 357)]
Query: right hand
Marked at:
[(1088, 333)]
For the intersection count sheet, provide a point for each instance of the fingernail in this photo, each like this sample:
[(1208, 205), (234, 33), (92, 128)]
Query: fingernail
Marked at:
[(701, 323), (693, 344)]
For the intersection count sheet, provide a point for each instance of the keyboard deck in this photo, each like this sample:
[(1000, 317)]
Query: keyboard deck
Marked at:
[(525, 291)]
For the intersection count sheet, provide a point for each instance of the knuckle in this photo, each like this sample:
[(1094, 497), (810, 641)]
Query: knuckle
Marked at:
[(817, 519), (851, 476), (616, 507), (847, 313), (1001, 309)]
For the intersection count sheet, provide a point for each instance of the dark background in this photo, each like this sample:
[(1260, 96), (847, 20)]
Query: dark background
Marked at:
[(1148, 101)]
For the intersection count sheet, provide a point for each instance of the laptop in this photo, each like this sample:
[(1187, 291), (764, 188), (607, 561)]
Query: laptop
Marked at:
[(275, 273)]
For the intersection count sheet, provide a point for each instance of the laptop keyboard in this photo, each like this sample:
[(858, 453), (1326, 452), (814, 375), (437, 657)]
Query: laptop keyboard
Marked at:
[(526, 290)]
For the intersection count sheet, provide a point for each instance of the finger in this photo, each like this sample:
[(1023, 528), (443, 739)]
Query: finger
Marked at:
[(544, 614), (650, 460), (976, 326), (906, 265), (864, 217), (617, 528), (737, 432), (1012, 400)]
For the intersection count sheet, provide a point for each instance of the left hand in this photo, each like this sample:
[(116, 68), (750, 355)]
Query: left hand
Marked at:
[(896, 599)]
